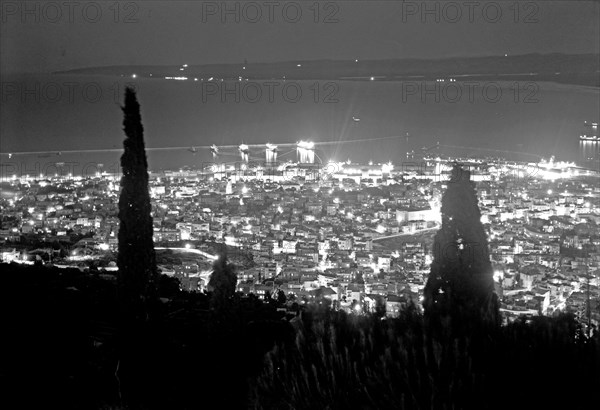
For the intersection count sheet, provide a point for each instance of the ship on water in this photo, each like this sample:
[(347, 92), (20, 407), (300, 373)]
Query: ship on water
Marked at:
[(591, 131), (589, 146)]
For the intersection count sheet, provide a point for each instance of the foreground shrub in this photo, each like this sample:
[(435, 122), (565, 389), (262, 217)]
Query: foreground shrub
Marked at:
[(341, 361)]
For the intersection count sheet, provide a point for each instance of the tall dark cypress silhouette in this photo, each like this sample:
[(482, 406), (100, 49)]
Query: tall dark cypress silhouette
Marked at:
[(222, 282), (461, 283), (138, 275)]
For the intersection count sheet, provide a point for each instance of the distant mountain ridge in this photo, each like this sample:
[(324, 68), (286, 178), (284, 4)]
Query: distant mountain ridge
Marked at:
[(581, 69)]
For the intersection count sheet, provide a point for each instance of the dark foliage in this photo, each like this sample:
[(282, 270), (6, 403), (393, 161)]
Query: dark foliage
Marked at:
[(380, 307), (51, 318), (63, 345), (281, 298), (138, 274), (62, 348), (222, 282), (460, 286), (358, 362)]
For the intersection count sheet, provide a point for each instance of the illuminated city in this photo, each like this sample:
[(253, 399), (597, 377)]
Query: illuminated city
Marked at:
[(307, 227), (300, 205)]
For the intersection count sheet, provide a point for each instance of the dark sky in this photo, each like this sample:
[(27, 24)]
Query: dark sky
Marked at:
[(39, 37)]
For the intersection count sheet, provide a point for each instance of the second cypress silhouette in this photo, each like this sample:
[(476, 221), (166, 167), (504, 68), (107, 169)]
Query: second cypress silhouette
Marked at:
[(461, 283)]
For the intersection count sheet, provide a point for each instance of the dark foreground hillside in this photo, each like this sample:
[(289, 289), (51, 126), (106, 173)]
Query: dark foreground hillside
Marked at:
[(341, 361), (62, 346)]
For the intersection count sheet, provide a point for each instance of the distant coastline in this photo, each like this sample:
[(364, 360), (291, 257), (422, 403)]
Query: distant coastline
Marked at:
[(576, 69)]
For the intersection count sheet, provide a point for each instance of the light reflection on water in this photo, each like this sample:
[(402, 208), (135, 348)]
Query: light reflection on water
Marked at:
[(180, 114)]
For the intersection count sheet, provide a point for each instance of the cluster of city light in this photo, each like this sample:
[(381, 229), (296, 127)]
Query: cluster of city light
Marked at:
[(551, 170), (283, 166), (553, 174), (271, 153), (32, 178), (176, 78), (306, 144), (244, 152), (387, 168), (555, 165), (217, 168), (547, 170), (306, 151)]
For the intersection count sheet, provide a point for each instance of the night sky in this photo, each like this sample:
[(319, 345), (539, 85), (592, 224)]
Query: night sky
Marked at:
[(155, 32)]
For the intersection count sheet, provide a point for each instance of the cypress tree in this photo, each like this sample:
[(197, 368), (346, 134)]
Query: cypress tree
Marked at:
[(461, 284), (138, 275), (222, 282)]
